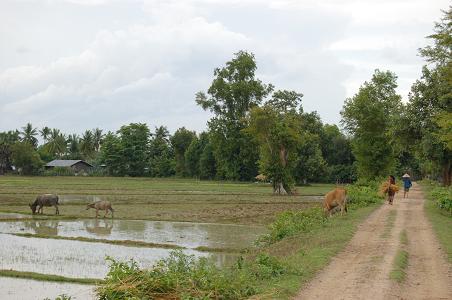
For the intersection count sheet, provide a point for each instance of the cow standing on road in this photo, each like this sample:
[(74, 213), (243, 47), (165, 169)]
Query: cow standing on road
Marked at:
[(45, 200)]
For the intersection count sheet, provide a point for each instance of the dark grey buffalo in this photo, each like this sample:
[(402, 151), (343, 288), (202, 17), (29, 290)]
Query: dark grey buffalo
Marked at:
[(101, 205), (45, 200)]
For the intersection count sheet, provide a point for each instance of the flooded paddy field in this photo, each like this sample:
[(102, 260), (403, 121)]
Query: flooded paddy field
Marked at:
[(78, 259), (184, 234), (27, 289)]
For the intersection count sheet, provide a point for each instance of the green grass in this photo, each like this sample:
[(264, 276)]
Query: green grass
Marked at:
[(47, 277), (308, 253), (399, 266), (389, 224), (441, 221)]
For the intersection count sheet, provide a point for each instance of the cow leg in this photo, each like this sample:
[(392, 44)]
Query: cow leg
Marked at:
[(111, 212), (106, 213), (57, 211), (97, 213)]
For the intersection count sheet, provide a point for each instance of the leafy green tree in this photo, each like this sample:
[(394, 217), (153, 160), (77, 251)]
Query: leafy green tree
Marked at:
[(276, 127), (207, 162), (233, 92), (161, 155), (7, 139), (194, 153), (370, 116), (97, 138), (111, 155), (426, 121), (134, 145), (180, 141), (73, 141), (28, 135), (25, 158)]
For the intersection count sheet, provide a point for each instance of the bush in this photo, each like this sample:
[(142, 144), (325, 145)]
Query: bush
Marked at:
[(59, 171), (363, 195), (182, 276), (443, 198)]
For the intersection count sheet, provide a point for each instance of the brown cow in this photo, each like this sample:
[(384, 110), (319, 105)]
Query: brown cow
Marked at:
[(101, 205), (335, 198), (45, 200)]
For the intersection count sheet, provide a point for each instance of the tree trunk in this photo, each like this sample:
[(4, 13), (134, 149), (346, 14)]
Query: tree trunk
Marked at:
[(447, 173), (279, 189)]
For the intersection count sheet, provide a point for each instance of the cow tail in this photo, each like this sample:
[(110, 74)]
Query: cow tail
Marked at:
[(345, 204)]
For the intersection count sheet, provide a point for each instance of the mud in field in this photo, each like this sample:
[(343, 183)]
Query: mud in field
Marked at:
[(79, 259), (26, 289), (185, 234)]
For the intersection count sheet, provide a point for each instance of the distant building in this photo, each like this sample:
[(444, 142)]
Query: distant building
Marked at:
[(75, 164)]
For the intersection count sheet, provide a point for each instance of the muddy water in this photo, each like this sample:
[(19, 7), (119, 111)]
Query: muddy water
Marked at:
[(25, 289), (190, 235), (78, 259)]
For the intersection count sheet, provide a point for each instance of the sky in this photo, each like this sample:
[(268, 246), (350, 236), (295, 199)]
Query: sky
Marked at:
[(82, 64)]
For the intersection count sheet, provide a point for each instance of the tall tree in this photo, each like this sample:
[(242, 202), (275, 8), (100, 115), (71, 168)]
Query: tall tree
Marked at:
[(45, 133), (369, 116), (57, 144), (25, 158), (134, 145), (97, 138), (87, 144), (161, 155), (233, 92), (7, 139), (181, 141), (28, 135), (111, 155), (276, 128)]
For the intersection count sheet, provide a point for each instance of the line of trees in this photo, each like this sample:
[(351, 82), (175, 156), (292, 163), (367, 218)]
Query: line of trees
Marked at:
[(257, 129)]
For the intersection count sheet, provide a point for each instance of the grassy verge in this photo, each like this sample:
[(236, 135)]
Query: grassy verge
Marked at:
[(47, 277), (389, 224), (400, 263), (441, 221), (127, 243)]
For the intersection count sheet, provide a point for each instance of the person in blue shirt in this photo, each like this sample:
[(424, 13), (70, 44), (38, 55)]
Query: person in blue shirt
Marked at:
[(406, 185)]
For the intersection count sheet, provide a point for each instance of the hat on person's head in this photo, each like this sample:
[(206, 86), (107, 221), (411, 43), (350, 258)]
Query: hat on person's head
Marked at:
[(406, 175)]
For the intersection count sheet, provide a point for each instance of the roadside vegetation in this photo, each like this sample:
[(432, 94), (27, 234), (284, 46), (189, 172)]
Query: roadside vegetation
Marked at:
[(297, 246), (436, 206)]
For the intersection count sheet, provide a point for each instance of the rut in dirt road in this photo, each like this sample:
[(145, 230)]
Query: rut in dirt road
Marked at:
[(361, 270)]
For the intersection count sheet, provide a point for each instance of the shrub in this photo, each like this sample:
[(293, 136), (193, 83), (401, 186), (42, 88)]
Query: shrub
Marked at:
[(59, 171), (362, 195), (182, 276), (443, 198)]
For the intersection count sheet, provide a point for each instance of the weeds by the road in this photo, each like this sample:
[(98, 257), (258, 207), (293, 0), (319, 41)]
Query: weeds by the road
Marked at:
[(389, 224), (441, 221), (399, 265)]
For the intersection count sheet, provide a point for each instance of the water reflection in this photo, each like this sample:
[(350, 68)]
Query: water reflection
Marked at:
[(97, 227), (189, 235)]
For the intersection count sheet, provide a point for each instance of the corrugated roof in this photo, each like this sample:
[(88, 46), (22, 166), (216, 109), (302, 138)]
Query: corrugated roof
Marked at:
[(65, 162)]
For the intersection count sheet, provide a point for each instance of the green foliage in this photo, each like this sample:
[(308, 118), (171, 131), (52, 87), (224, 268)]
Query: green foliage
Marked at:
[(161, 155), (363, 195), (370, 116), (180, 141), (7, 139), (290, 223), (182, 276), (25, 158), (443, 198), (28, 135), (61, 297), (133, 141), (233, 92), (111, 154)]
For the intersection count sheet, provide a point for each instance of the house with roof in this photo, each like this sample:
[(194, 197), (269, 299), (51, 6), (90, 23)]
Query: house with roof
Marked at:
[(75, 164)]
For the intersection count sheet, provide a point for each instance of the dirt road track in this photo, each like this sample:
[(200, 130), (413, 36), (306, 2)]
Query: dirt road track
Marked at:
[(361, 270)]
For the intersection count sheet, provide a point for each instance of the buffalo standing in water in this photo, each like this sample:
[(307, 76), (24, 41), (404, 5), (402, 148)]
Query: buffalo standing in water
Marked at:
[(101, 205), (45, 200)]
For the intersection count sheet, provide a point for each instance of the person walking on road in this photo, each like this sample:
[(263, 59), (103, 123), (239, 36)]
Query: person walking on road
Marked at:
[(391, 189), (406, 184)]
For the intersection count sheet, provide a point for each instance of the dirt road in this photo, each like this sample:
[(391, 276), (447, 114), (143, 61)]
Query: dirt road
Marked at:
[(361, 270)]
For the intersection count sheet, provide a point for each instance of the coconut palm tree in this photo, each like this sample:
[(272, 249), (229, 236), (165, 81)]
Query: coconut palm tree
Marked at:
[(87, 144), (28, 135), (57, 144), (45, 133), (74, 146), (97, 136)]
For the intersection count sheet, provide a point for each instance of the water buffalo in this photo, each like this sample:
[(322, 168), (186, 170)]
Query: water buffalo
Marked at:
[(101, 205), (335, 198), (45, 200)]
